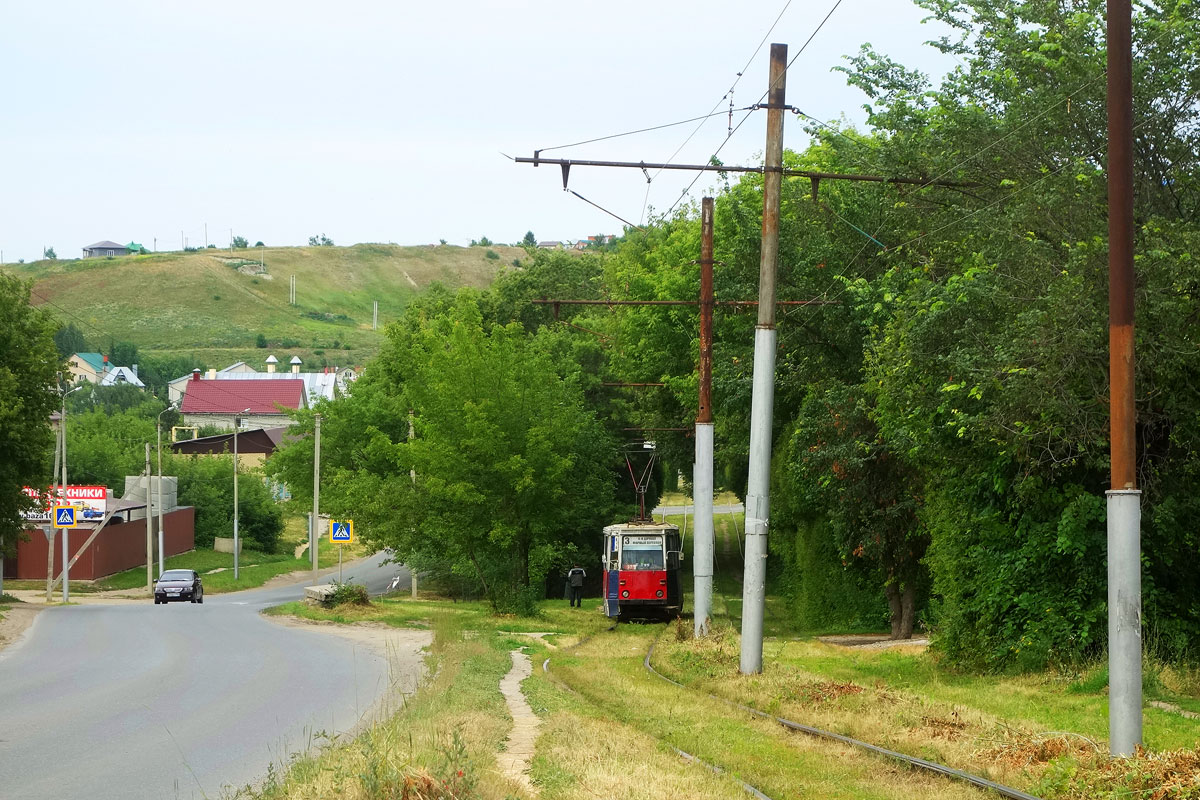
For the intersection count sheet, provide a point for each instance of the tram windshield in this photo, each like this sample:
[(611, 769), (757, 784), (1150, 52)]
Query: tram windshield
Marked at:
[(641, 553)]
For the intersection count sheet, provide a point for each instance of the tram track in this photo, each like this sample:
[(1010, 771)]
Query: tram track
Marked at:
[(914, 761), (562, 684)]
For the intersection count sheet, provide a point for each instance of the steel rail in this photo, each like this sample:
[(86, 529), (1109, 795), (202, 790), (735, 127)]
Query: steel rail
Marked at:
[(930, 766), (750, 789)]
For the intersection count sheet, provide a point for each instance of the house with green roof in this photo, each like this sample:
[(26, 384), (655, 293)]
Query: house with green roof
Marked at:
[(90, 367)]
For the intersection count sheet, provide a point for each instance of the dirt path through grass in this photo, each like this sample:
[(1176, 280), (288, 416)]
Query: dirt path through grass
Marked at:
[(518, 749)]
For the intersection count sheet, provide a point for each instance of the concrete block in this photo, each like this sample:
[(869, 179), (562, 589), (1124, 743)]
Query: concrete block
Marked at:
[(315, 595), (224, 544)]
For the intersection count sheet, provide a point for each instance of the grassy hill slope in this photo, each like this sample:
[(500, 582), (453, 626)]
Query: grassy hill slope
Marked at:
[(215, 303)]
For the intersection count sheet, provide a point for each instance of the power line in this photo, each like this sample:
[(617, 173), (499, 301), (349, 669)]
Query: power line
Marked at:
[(770, 86), (728, 93), (629, 133)]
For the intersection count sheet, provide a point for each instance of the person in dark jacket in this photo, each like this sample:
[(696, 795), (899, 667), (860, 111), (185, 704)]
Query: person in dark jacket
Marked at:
[(575, 582)]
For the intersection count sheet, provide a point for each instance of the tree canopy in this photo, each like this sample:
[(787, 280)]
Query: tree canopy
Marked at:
[(30, 369)]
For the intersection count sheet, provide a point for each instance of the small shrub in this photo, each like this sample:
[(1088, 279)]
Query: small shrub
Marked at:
[(259, 244), (8, 598), (216, 297), (289, 343), (516, 262), (347, 593), (260, 340), (492, 254), (318, 352)]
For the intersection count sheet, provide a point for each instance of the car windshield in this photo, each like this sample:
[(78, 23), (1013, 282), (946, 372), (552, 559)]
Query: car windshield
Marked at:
[(176, 575)]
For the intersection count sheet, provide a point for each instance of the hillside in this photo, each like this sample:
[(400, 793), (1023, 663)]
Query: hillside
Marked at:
[(214, 303)]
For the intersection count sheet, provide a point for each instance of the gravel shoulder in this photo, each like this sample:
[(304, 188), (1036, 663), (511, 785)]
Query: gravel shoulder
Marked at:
[(16, 621)]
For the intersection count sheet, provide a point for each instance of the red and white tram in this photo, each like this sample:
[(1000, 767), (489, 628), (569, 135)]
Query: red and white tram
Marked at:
[(641, 563)]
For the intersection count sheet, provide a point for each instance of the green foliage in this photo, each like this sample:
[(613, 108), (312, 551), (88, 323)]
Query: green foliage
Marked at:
[(260, 341), (70, 340), (30, 369), (348, 593), (206, 482), (122, 354), (259, 243), (50, 254), (320, 240), (240, 241), (529, 240), (492, 254)]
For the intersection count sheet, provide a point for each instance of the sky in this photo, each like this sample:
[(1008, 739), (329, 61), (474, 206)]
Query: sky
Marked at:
[(372, 121)]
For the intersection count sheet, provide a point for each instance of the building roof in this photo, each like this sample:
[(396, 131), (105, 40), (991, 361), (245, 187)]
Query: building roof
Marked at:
[(255, 440), (121, 375), (94, 360), (316, 384), (234, 366), (106, 245), (271, 359), (235, 396)]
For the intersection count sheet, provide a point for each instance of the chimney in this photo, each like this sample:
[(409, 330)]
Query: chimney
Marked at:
[(295, 362), (212, 374), (271, 362), (195, 374), (134, 369)]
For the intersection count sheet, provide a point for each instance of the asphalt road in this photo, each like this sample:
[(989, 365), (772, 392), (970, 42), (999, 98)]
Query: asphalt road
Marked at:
[(175, 701)]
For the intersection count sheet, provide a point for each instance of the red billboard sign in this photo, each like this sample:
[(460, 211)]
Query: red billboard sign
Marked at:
[(90, 502)]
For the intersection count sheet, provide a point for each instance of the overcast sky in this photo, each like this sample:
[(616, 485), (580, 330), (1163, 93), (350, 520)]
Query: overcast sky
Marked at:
[(374, 121)]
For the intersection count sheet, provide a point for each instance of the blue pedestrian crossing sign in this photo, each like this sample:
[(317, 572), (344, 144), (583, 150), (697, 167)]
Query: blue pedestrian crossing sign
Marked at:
[(341, 532), (64, 516)]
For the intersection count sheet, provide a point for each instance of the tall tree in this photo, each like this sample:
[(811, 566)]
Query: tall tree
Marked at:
[(30, 369)]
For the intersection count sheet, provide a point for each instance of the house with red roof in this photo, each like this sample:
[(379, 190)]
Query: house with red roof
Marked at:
[(248, 403)]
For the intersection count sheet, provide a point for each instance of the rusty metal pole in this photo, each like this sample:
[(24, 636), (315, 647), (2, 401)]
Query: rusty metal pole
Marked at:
[(763, 401), (702, 470), (1124, 498)]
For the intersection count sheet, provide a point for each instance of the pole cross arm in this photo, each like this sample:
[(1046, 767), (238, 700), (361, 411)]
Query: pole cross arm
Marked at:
[(567, 163), (544, 302)]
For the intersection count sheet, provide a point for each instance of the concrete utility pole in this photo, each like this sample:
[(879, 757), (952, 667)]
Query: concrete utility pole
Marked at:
[(149, 530), (702, 470), (161, 552), (316, 523), (237, 423), (66, 532), (763, 400), (412, 476), (1124, 498)]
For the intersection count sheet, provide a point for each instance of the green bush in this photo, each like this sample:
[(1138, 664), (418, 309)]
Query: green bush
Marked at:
[(491, 254), (348, 593), (260, 341)]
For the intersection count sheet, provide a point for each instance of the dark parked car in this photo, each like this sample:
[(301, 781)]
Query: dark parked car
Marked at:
[(178, 584)]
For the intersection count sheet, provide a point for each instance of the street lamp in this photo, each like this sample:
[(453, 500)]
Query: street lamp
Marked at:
[(158, 425), (237, 423)]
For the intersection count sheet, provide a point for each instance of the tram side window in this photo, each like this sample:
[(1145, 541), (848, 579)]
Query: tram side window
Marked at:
[(642, 557)]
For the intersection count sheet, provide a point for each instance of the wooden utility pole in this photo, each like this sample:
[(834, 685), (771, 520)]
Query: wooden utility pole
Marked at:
[(1123, 498), (702, 470), (149, 530), (763, 401)]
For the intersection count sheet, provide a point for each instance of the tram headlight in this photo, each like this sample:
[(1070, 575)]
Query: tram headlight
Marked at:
[(625, 593), (658, 593)]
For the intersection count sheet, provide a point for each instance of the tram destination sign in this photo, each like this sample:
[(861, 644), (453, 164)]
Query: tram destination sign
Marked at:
[(641, 540)]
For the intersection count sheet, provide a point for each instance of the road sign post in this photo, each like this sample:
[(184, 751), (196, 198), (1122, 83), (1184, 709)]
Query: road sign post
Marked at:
[(64, 517), (341, 532)]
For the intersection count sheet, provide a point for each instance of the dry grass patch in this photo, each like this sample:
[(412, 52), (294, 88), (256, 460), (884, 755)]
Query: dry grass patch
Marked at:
[(579, 756), (608, 672)]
